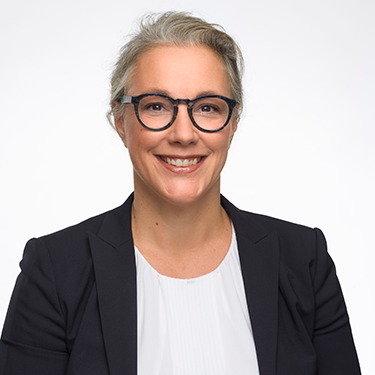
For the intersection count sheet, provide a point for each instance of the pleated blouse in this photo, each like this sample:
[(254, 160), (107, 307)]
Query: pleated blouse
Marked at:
[(198, 326)]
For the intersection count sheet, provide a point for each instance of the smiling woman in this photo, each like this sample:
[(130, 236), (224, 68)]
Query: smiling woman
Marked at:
[(177, 280)]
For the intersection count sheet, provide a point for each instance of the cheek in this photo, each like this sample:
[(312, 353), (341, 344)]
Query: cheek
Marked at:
[(222, 143), (139, 141), (130, 127), (132, 132)]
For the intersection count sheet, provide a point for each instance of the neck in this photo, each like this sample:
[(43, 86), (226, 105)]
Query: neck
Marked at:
[(179, 231)]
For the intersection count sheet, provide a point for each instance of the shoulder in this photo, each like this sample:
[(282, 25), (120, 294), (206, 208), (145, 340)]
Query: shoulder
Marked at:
[(67, 251), (289, 234), (76, 236), (73, 236), (63, 259), (297, 244), (263, 225)]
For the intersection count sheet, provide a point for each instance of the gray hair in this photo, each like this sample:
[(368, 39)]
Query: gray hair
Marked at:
[(176, 29)]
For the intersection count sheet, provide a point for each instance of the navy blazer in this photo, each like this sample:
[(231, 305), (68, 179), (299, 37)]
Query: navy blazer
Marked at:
[(74, 311)]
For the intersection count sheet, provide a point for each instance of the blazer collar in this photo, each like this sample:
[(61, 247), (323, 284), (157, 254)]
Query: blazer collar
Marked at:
[(259, 257), (113, 249)]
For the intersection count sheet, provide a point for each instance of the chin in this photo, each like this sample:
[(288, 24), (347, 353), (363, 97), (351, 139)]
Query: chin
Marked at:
[(180, 199), (185, 196)]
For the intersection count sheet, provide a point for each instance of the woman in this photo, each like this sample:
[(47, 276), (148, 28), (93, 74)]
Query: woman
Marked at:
[(177, 280)]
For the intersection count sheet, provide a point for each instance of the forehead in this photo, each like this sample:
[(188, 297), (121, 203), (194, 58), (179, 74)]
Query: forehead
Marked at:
[(183, 72)]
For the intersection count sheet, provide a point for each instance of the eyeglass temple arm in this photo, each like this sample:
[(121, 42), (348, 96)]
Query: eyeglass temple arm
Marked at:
[(126, 99)]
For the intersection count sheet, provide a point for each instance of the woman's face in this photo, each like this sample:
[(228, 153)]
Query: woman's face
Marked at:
[(184, 73)]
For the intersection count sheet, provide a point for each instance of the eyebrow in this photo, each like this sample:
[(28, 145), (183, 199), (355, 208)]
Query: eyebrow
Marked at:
[(165, 92)]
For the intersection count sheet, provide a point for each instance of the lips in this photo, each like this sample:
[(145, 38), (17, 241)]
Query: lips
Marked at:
[(179, 162)]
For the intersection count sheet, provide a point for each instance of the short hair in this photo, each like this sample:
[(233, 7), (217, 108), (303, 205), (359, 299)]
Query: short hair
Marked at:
[(175, 29)]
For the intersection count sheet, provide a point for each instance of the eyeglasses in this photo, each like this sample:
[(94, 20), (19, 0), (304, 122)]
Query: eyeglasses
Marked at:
[(156, 112)]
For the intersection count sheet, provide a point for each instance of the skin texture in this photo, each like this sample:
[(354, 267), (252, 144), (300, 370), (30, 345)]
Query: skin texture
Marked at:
[(173, 202)]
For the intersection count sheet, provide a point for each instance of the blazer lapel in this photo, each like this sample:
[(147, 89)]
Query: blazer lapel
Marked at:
[(115, 273), (259, 256)]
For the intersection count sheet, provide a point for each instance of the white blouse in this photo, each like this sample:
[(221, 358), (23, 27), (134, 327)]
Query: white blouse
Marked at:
[(198, 326)]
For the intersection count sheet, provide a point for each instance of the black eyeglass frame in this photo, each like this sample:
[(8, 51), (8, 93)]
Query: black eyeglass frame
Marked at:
[(127, 99)]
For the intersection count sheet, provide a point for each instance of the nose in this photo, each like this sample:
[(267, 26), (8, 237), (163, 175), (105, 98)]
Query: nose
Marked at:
[(182, 130)]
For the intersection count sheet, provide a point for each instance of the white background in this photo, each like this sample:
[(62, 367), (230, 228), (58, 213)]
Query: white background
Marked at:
[(304, 151)]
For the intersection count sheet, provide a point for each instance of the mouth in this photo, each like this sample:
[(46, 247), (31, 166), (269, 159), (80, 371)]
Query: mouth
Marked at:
[(183, 163)]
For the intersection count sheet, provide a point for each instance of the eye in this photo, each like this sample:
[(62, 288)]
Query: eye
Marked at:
[(154, 107), (207, 108)]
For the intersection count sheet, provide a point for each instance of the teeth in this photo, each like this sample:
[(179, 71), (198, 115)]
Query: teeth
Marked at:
[(181, 162)]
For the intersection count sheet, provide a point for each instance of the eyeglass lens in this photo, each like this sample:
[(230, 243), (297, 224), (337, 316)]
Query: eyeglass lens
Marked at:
[(209, 113)]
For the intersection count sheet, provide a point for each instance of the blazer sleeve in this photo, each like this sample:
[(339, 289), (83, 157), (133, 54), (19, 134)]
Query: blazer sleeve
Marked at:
[(33, 338), (333, 341)]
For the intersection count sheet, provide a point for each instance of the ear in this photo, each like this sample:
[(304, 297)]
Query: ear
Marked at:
[(119, 124)]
